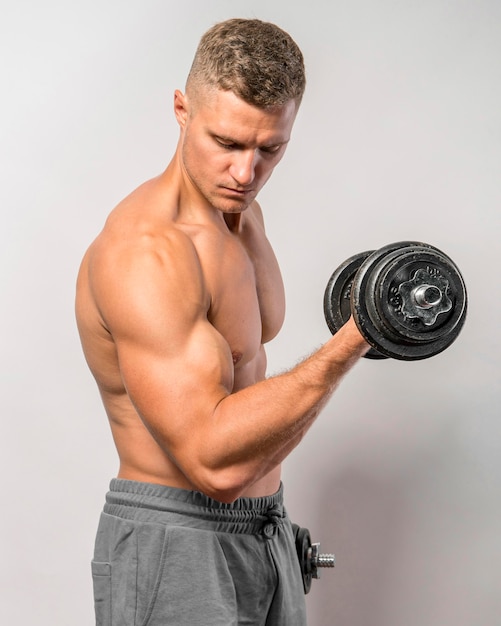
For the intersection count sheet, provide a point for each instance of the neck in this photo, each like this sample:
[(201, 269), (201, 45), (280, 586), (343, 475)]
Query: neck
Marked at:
[(233, 221)]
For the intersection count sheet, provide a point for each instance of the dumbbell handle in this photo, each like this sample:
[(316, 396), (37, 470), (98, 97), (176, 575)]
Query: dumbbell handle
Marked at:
[(325, 560), (425, 296), (316, 560)]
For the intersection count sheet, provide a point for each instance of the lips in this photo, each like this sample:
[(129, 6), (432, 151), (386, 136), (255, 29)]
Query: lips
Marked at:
[(237, 193)]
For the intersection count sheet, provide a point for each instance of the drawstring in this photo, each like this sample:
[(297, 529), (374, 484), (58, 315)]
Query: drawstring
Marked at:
[(273, 519)]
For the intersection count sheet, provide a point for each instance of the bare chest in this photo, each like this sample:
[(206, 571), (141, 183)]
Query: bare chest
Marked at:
[(246, 294)]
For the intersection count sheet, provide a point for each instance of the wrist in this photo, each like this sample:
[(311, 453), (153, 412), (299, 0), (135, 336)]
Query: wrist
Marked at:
[(349, 341)]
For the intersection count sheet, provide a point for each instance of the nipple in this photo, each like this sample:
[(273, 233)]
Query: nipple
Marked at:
[(236, 357)]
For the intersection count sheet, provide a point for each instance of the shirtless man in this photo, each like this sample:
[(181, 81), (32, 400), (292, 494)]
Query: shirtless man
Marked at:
[(175, 300)]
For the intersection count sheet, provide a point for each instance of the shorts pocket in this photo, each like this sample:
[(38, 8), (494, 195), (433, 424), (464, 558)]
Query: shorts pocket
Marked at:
[(101, 580), (191, 583)]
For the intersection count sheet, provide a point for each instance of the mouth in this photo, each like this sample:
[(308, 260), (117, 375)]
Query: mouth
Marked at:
[(237, 192)]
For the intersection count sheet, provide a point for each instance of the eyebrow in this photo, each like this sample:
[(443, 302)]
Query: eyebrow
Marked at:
[(239, 144)]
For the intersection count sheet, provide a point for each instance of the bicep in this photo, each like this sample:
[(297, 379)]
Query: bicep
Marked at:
[(175, 366), (176, 382)]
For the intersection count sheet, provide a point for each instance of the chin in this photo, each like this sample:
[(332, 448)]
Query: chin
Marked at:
[(236, 209), (231, 207)]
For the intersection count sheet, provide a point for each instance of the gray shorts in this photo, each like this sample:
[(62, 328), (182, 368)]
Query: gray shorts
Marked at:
[(168, 556)]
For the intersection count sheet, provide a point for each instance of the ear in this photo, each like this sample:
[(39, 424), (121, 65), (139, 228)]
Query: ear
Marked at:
[(180, 107)]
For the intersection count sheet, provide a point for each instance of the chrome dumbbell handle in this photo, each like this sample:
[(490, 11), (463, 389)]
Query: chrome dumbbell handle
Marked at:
[(320, 560)]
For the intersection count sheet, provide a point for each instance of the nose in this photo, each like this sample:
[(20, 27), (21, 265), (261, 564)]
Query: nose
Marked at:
[(243, 167)]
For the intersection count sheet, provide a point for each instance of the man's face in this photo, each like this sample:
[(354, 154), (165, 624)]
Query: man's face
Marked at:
[(230, 148)]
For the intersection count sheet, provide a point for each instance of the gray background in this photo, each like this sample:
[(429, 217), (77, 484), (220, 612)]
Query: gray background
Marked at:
[(399, 137)]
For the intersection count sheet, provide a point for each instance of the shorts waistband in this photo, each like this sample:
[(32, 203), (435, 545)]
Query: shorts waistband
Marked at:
[(149, 502)]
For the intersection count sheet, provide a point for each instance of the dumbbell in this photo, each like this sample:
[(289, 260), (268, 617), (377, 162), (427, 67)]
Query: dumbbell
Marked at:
[(310, 559), (408, 300)]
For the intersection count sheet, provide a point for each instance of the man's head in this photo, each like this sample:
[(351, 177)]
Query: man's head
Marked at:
[(257, 61), (242, 96)]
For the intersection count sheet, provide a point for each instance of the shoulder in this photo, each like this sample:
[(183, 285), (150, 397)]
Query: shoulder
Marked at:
[(141, 229), (130, 238), (134, 267)]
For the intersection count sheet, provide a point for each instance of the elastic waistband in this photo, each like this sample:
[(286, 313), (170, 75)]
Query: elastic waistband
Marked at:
[(148, 502)]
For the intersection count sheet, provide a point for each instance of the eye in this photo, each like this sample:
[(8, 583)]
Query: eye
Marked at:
[(225, 143), (270, 149)]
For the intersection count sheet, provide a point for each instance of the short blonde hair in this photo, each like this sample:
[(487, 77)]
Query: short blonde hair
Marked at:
[(258, 61)]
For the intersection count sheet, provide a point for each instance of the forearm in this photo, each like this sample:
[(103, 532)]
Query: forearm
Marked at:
[(253, 430)]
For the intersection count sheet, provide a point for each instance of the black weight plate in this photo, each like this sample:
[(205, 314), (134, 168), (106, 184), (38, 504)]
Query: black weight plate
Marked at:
[(400, 314), (377, 305), (395, 317), (303, 544), (337, 307)]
